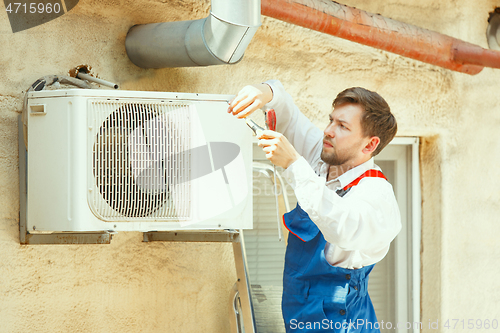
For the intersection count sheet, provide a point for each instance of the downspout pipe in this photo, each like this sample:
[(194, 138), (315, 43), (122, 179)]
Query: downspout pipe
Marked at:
[(383, 33), (221, 38)]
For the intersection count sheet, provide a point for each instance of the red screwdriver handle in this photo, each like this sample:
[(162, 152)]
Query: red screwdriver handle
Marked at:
[(271, 119)]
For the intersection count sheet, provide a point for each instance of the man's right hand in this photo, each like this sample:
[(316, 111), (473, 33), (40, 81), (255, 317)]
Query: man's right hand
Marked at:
[(249, 99)]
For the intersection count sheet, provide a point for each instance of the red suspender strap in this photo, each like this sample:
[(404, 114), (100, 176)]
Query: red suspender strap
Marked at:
[(368, 173)]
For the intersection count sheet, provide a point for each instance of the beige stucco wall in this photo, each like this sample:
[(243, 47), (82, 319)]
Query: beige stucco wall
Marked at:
[(131, 286)]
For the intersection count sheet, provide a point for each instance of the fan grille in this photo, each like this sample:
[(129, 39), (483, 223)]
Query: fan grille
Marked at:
[(140, 161)]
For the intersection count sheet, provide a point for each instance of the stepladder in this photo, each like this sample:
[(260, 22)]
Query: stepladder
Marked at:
[(241, 315)]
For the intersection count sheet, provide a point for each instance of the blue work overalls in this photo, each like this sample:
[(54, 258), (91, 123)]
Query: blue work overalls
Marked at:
[(319, 297)]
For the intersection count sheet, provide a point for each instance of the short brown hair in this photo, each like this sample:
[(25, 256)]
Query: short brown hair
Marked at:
[(377, 119)]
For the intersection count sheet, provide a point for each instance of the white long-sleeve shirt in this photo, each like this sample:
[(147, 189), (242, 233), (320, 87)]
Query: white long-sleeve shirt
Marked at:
[(359, 226)]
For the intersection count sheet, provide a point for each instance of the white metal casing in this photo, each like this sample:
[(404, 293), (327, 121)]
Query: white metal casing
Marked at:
[(63, 130)]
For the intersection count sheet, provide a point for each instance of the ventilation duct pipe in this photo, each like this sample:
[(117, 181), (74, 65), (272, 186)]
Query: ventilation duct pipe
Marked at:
[(220, 38), (383, 33)]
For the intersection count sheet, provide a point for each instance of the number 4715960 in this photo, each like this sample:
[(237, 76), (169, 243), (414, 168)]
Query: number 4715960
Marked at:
[(33, 8), (470, 324)]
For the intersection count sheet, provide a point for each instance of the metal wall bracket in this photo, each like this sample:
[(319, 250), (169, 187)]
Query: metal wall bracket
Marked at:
[(64, 238), (241, 289), (192, 236)]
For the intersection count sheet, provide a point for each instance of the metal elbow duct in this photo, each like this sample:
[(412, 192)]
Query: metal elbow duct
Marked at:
[(221, 38)]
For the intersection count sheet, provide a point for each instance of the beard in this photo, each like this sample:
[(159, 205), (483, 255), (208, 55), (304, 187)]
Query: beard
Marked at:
[(333, 158), (336, 157)]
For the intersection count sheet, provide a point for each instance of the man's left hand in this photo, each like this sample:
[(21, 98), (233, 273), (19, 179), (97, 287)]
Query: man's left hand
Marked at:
[(277, 148)]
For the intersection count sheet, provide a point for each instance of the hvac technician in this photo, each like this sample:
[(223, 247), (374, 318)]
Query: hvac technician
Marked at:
[(346, 214)]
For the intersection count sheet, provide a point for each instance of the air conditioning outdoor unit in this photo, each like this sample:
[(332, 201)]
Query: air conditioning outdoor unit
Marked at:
[(135, 161)]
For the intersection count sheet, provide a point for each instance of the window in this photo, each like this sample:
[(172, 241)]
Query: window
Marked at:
[(394, 284)]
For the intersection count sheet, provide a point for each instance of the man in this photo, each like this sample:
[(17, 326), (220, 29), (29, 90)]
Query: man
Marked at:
[(346, 215)]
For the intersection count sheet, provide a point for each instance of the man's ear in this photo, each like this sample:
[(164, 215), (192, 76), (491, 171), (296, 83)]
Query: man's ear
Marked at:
[(372, 145)]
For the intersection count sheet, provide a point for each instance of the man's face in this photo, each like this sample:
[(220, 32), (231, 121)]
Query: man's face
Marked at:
[(344, 140)]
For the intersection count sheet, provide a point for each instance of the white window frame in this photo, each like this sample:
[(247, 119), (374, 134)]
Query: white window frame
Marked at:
[(407, 248)]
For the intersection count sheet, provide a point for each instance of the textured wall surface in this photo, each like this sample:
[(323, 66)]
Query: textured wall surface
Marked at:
[(131, 286)]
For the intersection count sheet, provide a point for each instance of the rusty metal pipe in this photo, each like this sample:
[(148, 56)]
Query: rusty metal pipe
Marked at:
[(476, 55), (383, 33)]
